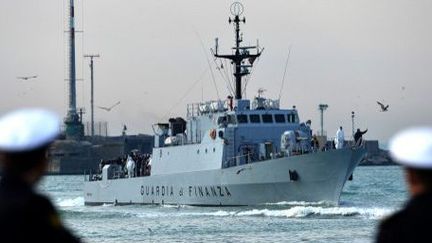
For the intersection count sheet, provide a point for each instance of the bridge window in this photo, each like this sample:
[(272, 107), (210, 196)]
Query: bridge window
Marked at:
[(222, 120), (232, 119), (280, 118), (291, 118), (242, 119), (267, 118), (254, 118)]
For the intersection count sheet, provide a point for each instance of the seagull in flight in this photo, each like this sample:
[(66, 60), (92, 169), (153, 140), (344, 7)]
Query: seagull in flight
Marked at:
[(384, 108), (27, 77), (109, 108)]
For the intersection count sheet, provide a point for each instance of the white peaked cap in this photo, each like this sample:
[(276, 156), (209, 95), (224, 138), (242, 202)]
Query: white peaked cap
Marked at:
[(413, 147), (27, 129)]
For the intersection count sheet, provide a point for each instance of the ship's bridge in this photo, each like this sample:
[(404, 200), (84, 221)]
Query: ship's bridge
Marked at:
[(218, 106), (206, 108), (262, 112), (258, 118)]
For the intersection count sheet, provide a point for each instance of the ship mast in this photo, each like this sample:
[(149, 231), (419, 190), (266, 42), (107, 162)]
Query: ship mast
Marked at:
[(241, 52)]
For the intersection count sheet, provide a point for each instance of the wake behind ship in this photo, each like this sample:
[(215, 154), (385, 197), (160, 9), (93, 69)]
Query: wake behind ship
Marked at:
[(229, 153)]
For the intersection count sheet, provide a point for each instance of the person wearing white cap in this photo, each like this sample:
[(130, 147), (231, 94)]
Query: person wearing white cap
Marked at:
[(25, 136), (412, 148)]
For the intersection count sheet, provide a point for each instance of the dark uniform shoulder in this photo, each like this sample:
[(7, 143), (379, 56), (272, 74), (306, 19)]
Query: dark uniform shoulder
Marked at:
[(48, 216), (27, 216), (410, 224), (389, 228)]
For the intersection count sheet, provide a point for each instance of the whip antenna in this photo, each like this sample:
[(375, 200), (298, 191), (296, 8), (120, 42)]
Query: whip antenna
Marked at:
[(286, 67)]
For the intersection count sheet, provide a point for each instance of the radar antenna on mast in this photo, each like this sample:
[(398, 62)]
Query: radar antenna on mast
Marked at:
[(241, 52)]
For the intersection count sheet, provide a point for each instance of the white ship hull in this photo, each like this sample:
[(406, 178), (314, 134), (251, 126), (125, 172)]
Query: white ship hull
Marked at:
[(321, 177)]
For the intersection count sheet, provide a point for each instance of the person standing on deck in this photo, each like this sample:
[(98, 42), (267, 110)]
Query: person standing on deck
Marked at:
[(339, 139), (358, 136)]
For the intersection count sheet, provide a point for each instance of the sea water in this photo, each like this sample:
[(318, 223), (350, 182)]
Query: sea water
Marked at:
[(374, 193)]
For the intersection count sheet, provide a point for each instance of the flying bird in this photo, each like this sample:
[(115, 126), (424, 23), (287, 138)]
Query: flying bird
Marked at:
[(384, 108), (27, 77), (109, 108)]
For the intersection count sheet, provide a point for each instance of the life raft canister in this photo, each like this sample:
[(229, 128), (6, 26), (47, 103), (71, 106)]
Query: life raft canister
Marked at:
[(213, 133)]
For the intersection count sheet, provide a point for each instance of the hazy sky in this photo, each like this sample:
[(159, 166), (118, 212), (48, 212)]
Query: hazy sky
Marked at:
[(347, 54)]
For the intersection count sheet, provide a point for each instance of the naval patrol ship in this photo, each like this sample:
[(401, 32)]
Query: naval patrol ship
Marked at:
[(228, 153)]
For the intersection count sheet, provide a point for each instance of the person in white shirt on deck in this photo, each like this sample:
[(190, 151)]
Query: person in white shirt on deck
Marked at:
[(339, 139)]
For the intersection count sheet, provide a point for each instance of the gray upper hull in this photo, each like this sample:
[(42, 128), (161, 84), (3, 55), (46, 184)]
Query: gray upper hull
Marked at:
[(321, 177)]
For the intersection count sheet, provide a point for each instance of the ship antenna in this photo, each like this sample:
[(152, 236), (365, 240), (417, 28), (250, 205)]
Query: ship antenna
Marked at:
[(283, 78), (210, 67), (241, 52)]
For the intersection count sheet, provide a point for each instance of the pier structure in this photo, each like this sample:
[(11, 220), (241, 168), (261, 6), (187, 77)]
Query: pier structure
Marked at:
[(91, 56), (322, 108)]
